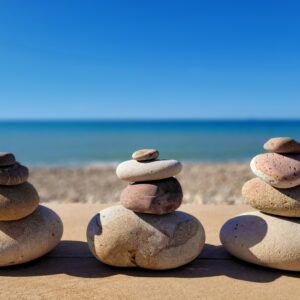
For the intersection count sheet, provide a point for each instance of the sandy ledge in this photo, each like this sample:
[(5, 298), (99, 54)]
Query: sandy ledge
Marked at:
[(203, 183)]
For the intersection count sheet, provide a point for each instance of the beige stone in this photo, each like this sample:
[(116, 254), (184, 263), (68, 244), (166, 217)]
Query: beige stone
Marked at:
[(281, 171), (282, 145), (29, 238), (145, 154), (135, 171), (266, 198), (263, 239), (18, 201), (119, 237)]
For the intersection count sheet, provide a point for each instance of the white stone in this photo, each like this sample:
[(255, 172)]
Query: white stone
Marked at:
[(263, 239), (134, 171)]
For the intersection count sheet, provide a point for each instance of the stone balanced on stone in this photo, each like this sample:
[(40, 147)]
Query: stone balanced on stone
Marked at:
[(271, 236), (146, 231), (27, 230)]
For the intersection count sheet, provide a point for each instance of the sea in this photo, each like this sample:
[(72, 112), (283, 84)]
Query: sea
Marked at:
[(89, 142)]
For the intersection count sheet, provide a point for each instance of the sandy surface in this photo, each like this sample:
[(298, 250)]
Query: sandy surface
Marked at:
[(71, 272), (202, 183)]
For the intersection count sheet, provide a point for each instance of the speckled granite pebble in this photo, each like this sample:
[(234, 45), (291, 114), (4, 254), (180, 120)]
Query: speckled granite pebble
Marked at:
[(281, 171)]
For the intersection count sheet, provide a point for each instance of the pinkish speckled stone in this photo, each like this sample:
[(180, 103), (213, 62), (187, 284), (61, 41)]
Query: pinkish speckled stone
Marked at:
[(282, 145), (281, 171)]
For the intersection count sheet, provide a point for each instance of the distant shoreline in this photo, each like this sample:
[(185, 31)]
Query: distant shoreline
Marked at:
[(99, 164), (202, 183)]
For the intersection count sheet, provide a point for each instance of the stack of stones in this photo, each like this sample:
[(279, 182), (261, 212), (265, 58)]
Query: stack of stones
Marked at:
[(27, 230), (271, 236), (146, 231)]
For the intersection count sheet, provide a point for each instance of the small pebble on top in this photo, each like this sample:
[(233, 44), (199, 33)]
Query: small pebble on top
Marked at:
[(282, 145), (7, 159), (145, 154)]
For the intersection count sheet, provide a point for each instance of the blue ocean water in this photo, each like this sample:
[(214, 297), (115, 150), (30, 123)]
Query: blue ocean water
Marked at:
[(88, 142)]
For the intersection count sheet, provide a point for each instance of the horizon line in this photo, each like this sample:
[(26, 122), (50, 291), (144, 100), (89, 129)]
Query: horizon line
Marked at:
[(149, 120)]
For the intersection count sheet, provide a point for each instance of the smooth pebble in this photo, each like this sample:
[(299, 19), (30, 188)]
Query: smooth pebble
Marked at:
[(119, 237), (264, 240), (135, 171)]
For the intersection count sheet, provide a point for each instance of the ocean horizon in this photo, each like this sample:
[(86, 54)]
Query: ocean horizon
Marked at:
[(84, 142)]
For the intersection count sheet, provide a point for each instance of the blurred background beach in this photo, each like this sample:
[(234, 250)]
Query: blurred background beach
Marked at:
[(84, 84), (75, 161)]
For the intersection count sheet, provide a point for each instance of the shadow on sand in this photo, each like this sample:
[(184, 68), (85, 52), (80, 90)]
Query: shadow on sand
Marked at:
[(73, 258)]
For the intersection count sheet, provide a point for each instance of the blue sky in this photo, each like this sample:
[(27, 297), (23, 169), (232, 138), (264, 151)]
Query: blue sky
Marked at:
[(149, 59)]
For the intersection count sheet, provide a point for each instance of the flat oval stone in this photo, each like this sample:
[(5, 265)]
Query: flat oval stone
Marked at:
[(282, 145), (7, 159), (153, 197), (17, 202), (264, 240), (29, 238), (281, 171), (135, 171), (145, 154), (266, 198), (119, 237), (13, 175)]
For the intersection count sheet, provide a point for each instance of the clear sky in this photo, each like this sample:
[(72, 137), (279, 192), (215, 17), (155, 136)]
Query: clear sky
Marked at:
[(150, 59)]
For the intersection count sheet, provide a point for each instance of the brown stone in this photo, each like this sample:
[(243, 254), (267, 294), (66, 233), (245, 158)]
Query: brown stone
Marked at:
[(13, 175), (17, 202), (7, 159), (153, 197), (282, 145), (266, 198), (145, 154)]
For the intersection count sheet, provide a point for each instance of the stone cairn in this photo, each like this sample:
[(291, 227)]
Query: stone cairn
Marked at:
[(271, 236), (27, 230), (146, 231)]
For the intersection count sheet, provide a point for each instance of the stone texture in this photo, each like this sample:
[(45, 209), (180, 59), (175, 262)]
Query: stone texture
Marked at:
[(119, 237), (29, 238), (264, 240), (13, 175), (7, 159), (281, 171), (17, 202), (135, 171), (153, 197), (264, 197), (282, 145), (145, 154)]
